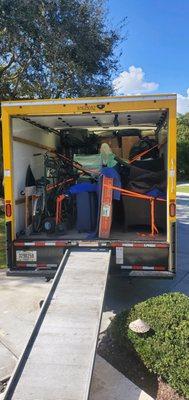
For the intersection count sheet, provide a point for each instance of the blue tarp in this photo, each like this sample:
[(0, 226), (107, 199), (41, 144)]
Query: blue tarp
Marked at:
[(112, 173), (156, 193), (83, 187)]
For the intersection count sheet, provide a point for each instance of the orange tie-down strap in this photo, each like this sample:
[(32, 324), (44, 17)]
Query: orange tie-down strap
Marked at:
[(146, 152), (151, 199)]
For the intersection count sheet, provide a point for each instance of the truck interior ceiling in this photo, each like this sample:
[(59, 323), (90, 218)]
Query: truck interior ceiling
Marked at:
[(60, 161)]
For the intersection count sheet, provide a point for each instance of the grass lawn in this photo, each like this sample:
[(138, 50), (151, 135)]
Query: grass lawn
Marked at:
[(183, 188), (2, 241)]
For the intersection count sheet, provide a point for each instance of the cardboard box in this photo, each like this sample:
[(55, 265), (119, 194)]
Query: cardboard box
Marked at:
[(117, 151), (112, 142), (127, 144)]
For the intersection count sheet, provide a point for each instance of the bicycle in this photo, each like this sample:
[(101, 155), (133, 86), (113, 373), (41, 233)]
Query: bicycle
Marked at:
[(48, 188)]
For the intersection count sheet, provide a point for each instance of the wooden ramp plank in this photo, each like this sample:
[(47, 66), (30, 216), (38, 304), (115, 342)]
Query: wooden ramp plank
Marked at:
[(59, 365)]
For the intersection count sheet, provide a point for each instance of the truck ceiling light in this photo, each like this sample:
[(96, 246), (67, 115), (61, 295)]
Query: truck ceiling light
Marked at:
[(116, 120)]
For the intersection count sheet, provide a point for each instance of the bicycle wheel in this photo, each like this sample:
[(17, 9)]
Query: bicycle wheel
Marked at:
[(48, 225), (37, 213)]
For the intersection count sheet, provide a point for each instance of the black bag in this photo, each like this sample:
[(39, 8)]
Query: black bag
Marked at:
[(144, 145), (154, 165), (87, 208)]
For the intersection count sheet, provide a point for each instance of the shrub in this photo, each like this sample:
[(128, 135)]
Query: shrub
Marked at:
[(166, 350), (182, 160)]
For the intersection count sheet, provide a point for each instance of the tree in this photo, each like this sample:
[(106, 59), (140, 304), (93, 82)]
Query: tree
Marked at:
[(55, 49), (183, 146), (183, 127)]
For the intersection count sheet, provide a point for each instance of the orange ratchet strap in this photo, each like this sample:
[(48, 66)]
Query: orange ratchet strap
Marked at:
[(50, 187), (152, 200), (145, 152)]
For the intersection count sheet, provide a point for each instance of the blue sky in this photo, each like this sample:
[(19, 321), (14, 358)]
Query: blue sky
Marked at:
[(157, 45)]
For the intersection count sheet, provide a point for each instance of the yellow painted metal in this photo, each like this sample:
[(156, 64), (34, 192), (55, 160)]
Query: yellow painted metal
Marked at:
[(70, 109), (102, 99), (7, 161), (171, 162)]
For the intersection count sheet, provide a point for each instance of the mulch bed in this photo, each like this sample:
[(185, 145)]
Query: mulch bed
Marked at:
[(165, 392), (126, 360)]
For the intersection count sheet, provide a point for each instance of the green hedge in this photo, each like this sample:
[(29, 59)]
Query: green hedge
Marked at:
[(166, 350), (183, 160)]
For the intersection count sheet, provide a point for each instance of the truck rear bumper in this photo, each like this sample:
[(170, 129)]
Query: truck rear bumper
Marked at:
[(141, 258), (148, 274), (49, 274), (31, 273)]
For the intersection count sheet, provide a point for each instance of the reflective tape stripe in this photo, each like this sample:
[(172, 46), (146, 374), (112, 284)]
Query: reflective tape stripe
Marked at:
[(146, 245), (61, 243), (38, 265), (144, 267), (42, 244), (159, 268), (39, 244), (19, 244), (115, 244)]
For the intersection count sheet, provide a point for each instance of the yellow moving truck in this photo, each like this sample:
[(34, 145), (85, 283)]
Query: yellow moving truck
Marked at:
[(38, 126)]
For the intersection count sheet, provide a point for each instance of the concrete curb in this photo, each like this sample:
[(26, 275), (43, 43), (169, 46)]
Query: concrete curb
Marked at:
[(110, 384)]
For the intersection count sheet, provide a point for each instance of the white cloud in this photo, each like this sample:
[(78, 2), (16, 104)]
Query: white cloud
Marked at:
[(133, 82), (183, 103)]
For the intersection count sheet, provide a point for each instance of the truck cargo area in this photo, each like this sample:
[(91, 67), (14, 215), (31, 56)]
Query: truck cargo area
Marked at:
[(136, 234), (97, 143)]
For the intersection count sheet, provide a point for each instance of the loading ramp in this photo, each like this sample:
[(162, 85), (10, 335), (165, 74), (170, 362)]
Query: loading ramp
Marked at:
[(58, 360)]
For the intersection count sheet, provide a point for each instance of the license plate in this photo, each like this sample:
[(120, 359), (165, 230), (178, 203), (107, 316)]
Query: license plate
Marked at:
[(28, 255)]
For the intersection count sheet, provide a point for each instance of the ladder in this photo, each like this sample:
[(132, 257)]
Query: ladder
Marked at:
[(58, 360)]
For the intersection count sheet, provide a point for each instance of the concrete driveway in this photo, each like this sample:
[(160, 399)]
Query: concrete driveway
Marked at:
[(122, 293), (20, 297)]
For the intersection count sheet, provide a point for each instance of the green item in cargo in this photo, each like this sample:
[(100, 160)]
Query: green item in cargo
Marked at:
[(89, 162), (107, 156)]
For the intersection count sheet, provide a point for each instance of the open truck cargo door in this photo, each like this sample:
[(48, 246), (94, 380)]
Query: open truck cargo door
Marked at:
[(35, 132)]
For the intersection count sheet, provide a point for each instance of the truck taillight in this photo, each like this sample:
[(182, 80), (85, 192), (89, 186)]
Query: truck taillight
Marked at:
[(8, 210), (172, 209)]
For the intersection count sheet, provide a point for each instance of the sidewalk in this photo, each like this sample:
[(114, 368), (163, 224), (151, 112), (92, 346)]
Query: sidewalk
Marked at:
[(19, 309), (109, 384)]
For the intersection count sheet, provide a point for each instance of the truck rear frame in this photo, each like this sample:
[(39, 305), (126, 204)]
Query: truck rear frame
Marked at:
[(149, 256)]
